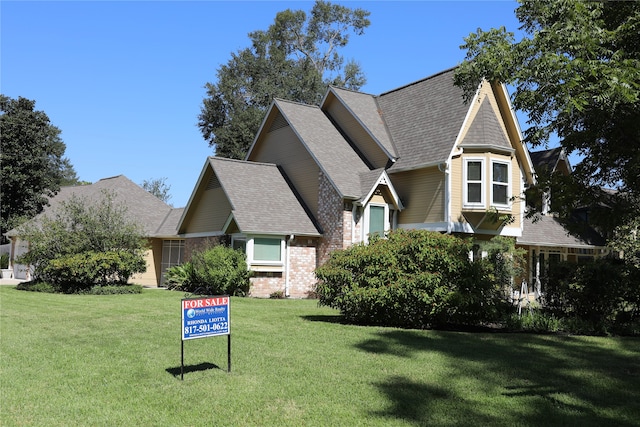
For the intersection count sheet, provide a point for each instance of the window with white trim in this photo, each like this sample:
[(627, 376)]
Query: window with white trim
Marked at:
[(172, 255), (500, 183), (474, 183), (260, 250)]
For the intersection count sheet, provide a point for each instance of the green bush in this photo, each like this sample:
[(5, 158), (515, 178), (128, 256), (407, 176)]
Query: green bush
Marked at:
[(36, 286), (219, 270), (80, 226), (4, 260), (412, 279), (601, 292), (79, 272)]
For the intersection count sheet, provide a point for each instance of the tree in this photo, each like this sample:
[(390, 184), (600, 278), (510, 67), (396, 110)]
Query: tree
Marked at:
[(294, 59), (576, 75), (158, 188), (85, 228), (32, 164)]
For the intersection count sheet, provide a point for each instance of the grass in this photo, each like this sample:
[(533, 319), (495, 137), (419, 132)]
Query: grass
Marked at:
[(115, 360)]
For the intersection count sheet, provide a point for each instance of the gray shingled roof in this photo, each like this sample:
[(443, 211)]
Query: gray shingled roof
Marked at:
[(424, 119), (169, 226), (326, 144), (485, 130), (142, 206), (365, 109), (548, 231), (261, 199), (545, 159)]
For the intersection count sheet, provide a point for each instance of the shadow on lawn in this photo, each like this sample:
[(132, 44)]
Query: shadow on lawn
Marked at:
[(192, 368), (536, 379), (329, 318)]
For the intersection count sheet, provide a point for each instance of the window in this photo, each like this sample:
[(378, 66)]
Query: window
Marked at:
[(172, 254), (473, 186), (376, 220), (500, 183), (262, 252), (266, 249)]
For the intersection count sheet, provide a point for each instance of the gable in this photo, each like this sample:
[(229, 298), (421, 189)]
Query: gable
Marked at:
[(359, 118), (486, 132), (249, 197)]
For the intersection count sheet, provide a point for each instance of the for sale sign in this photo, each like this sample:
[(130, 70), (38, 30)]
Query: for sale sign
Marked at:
[(205, 317)]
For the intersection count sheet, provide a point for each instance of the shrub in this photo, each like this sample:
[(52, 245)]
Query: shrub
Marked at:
[(411, 279), (604, 291), (79, 226), (36, 286), (78, 272), (4, 260), (219, 270)]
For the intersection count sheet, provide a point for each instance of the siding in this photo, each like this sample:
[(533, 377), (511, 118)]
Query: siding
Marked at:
[(357, 134), (422, 193), (282, 147), (211, 211)]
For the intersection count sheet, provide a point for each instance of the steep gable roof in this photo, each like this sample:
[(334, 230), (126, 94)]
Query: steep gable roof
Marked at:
[(549, 159), (364, 108), (262, 202), (485, 130), (331, 151), (424, 119), (142, 207)]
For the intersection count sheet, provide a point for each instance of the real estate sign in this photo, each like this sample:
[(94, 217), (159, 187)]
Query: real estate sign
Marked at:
[(205, 317)]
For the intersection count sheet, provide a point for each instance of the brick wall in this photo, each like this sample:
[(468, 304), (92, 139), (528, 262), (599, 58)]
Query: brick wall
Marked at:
[(331, 218), (302, 264)]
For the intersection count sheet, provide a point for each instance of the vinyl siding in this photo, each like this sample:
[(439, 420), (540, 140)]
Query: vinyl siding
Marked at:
[(211, 212), (422, 192), (357, 134), (282, 147)]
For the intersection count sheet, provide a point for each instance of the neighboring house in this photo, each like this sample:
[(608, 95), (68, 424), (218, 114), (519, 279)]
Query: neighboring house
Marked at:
[(317, 179), (545, 238), (157, 218)]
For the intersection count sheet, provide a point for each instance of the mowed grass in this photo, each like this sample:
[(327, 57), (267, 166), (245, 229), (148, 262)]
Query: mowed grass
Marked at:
[(115, 361)]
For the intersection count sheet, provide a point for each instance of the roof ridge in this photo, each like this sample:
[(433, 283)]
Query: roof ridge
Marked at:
[(242, 161), (419, 81)]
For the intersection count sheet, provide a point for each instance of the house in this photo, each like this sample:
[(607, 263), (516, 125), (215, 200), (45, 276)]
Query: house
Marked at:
[(545, 238), (158, 219), (321, 178)]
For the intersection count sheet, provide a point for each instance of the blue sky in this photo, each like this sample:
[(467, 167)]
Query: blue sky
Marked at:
[(124, 80)]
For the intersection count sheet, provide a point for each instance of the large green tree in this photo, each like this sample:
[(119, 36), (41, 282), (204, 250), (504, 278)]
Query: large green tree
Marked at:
[(295, 59), (32, 162), (576, 75)]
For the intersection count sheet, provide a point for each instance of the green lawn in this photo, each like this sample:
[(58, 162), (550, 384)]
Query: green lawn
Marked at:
[(115, 361)]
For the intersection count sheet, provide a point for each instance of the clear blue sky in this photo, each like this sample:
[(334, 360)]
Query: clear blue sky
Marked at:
[(124, 80)]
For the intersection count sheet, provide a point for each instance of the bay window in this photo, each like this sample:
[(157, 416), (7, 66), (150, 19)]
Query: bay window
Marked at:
[(474, 183), (500, 183)]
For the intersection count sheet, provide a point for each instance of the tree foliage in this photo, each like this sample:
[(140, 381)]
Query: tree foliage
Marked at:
[(78, 230), (576, 75), (32, 162), (158, 187), (294, 59)]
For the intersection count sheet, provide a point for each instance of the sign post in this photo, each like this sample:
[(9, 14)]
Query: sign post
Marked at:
[(205, 317)]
